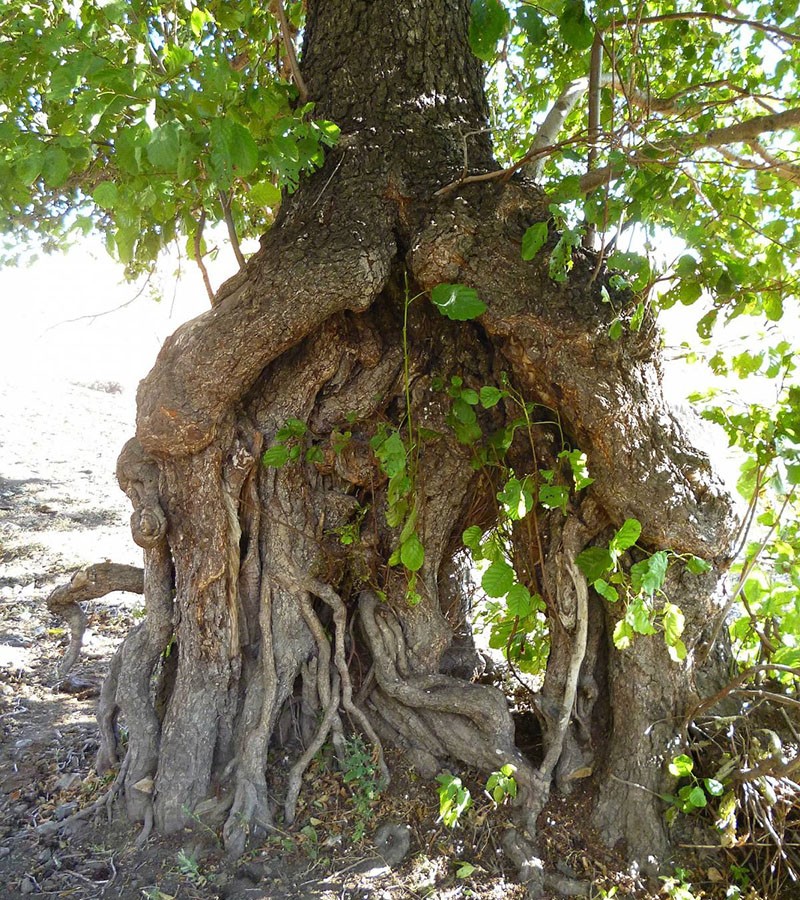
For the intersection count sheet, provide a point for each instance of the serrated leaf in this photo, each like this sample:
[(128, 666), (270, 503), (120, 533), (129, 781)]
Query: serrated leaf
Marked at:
[(489, 22), (681, 766), (533, 240), (55, 167), (626, 536), (457, 302), (639, 617), (594, 562), (472, 537), (412, 553), (697, 797), (490, 396), (276, 456), (498, 579), (465, 870), (519, 601), (648, 575), (575, 26), (164, 146), (106, 194)]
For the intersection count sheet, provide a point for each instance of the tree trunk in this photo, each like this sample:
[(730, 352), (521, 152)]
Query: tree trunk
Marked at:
[(248, 582)]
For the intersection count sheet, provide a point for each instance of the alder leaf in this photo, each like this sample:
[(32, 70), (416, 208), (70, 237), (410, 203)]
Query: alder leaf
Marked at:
[(498, 579), (412, 553), (575, 26), (533, 240), (489, 22), (457, 302)]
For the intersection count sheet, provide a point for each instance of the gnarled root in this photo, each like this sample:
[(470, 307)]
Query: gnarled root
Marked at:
[(89, 584), (440, 715)]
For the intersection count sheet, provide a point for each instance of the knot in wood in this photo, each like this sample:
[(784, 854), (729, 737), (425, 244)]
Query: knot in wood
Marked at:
[(148, 526)]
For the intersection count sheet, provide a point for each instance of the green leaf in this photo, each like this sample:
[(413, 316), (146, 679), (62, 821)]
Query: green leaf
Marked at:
[(615, 330), (55, 167), (392, 454), (677, 651), (465, 870), (315, 455), (607, 592), (498, 579), (594, 562), (489, 22), (106, 194), (519, 601), (648, 575), (578, 465), (472, 537), (412, 553), (554, 496), (532, 24), (276, 456), (457, 302), (697, 566), (233, 151), (264, 193), (490, 396), (164, 146), (681, 766), (627, 536), (533, 240), (575, 26), (639, 616), (697, 797), (623, 635), (674, 622)]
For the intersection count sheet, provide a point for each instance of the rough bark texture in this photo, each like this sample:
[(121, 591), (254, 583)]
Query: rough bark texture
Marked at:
[(276, 637)]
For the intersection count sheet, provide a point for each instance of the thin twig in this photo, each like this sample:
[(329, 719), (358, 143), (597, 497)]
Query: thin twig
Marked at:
[(746, 569), (106, 312), (716, 17), (198, 254), (734, 685)]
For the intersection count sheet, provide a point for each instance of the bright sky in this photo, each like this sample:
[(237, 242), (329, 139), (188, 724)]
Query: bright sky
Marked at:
[(51, 328)]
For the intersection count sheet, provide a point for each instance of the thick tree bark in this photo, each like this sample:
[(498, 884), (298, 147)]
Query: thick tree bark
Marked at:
[(244, 569)]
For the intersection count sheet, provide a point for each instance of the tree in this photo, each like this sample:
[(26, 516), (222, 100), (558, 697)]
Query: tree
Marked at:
[(428, 354)]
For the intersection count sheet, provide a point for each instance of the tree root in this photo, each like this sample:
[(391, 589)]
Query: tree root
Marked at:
[(88, 584), (555, 738), (469, 722), (295, 779)]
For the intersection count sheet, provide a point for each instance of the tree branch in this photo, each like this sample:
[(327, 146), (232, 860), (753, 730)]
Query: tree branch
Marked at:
[(740, 133), (549, 130), (198, 254), (716, 17), (280, 12), (225, 202)]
